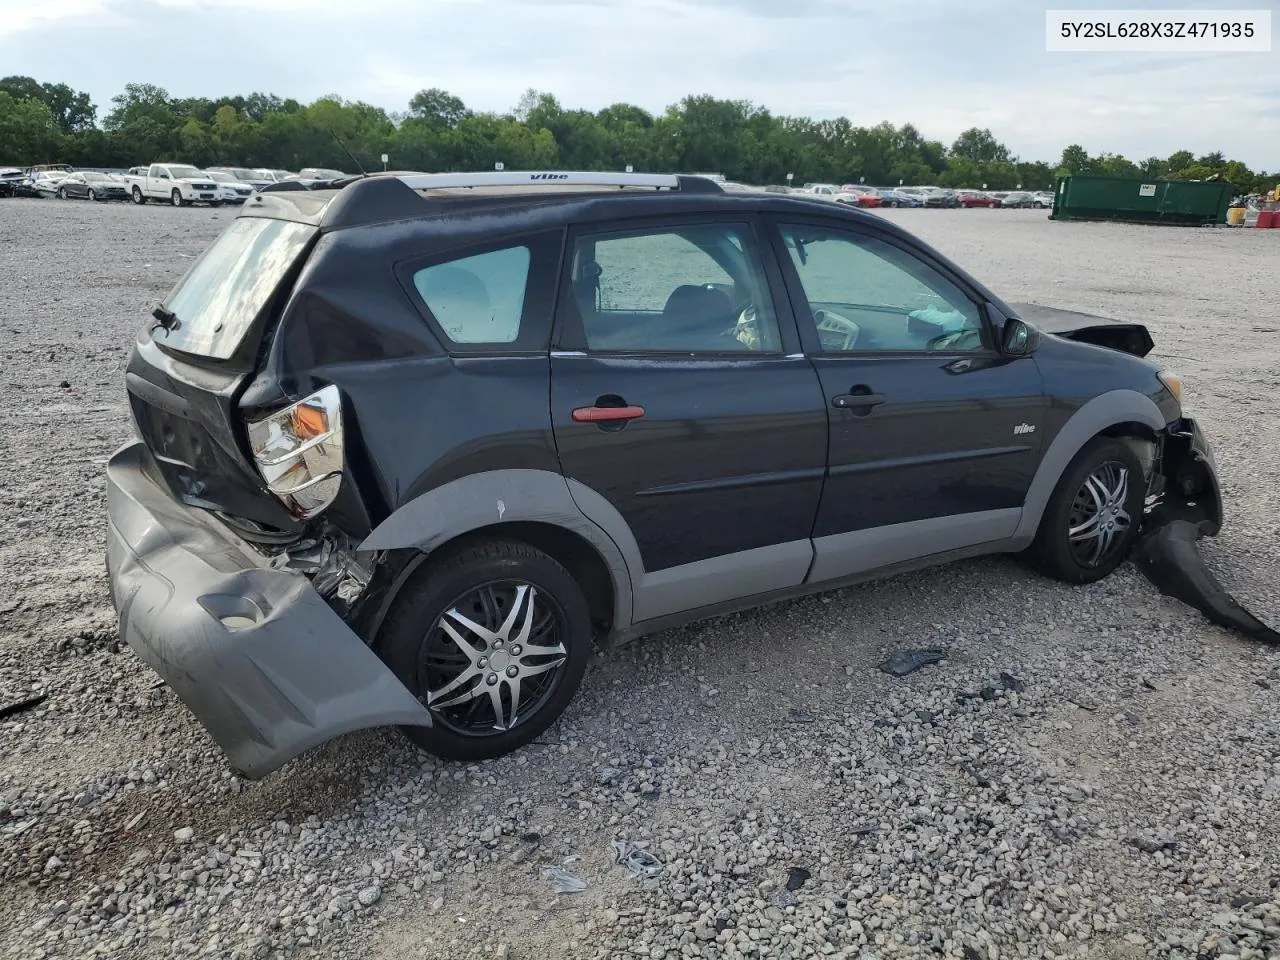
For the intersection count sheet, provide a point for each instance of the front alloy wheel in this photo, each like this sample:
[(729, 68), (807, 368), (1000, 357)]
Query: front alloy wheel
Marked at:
[(1093, 516), (1099, 515), (493, 638)]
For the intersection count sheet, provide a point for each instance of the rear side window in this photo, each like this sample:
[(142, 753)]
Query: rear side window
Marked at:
[(480, 298), (227, 287)]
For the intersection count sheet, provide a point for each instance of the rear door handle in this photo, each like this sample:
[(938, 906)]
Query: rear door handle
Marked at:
[(856, 401), (607, 414)]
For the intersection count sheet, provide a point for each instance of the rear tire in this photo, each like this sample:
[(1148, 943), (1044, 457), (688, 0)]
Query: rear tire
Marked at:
[(520, 596), (1093, 517)]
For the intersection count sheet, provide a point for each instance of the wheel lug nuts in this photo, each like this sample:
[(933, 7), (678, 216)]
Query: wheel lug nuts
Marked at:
[(491, 679), (498, 644), (516, 651), (512, 670), (484, 662)]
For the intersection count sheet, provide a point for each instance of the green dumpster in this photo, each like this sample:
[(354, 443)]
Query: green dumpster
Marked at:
[(1189, 202)]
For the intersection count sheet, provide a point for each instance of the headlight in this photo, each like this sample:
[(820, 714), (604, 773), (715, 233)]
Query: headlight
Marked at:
[(298, 452), (1172, 382)]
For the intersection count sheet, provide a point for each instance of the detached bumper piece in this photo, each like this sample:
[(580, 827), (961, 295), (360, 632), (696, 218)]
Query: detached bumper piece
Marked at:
[(1188, 506), (255, 653)]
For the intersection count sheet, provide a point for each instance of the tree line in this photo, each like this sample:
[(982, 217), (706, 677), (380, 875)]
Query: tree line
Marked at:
[(51, 122)]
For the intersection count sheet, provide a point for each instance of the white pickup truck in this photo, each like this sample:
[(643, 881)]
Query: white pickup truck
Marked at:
[(178, 183)]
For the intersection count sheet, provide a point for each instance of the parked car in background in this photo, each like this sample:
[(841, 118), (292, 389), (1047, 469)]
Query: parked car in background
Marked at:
[(976, 198), (9, 177), (1018, 199), (321, 173), (1043, 198), (859, 195), (90, 185), (244, 175), (275, 176), (41, 184), (179, 183), (230, 188), (50, 168), (300, 553), (824, 191), (900, 197)]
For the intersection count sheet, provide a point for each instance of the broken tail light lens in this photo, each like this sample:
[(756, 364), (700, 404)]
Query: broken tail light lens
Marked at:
[(298, 452)]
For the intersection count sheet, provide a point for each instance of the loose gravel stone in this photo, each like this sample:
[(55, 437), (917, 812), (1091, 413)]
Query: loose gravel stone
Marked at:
[(996, 825)]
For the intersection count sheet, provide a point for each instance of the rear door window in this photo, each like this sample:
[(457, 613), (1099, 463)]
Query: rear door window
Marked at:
[(227, 287)]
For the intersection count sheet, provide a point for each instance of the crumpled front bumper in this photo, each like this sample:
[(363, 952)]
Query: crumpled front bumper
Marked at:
[(255, 653), (1189, 489)]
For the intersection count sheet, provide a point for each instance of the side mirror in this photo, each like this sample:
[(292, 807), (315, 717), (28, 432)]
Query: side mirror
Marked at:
[(1017, 338)]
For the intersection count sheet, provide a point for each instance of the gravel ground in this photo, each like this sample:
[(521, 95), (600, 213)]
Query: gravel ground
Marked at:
[(1093, 772)]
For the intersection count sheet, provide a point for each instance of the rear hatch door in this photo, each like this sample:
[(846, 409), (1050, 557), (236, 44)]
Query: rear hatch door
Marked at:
[(192, 362)]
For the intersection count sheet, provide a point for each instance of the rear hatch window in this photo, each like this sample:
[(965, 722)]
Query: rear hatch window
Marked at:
[(215, 304)]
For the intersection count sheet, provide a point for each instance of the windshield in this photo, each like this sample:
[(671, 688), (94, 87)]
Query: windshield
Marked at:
[(242, 174), (221, 177), (95, 176), (227, 287), (184, 173)]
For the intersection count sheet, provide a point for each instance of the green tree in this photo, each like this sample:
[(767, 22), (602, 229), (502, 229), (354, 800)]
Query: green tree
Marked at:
[(979, 146), (28, 132), (438, 108)]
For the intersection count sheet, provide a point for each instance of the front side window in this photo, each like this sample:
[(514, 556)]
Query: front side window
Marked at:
[(480, 298), (868, 296), (687, 289)]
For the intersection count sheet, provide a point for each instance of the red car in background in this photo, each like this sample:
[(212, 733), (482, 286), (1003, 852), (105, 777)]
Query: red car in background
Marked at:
[(976, 198), (862, 196)]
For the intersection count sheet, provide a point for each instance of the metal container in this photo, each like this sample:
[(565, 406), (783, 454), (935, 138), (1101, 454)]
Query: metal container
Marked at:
[(1189, 202)]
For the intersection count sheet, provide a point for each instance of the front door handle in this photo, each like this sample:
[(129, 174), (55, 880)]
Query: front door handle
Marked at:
[(607, 414), (857, 401)]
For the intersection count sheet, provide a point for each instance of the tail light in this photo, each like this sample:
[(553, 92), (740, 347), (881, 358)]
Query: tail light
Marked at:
[(298, 452)]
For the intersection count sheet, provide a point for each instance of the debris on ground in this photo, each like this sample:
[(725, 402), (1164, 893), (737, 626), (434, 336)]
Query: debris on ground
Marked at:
[(638, 861), (21, 706), (1153, 842), (1167, 556), (796, 878), (563, 881), (904, 662)]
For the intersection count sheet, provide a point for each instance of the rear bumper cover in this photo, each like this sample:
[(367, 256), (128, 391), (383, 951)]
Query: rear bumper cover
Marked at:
[(255, 653)]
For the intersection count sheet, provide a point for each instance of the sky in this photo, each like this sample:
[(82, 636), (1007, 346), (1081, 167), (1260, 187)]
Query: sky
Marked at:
[(944, 65)]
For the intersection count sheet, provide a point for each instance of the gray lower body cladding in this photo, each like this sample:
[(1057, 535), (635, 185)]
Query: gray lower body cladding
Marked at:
[(255, 653)]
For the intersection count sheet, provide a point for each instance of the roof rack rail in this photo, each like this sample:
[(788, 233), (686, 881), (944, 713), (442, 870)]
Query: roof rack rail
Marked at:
[(568, 178)]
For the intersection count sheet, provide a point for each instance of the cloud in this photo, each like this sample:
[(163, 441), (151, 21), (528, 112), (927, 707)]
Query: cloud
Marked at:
[(942, 66)]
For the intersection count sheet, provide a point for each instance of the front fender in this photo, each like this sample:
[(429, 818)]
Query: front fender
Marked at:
[(1103, 411)]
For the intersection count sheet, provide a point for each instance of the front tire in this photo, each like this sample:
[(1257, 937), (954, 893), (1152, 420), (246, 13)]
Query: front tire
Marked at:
[(92, 195), (62, 193), (176, 198), (138, 198), (1093, 517), (493, 638)]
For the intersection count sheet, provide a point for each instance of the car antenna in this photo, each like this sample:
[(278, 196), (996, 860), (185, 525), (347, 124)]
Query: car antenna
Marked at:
[(351, 156)]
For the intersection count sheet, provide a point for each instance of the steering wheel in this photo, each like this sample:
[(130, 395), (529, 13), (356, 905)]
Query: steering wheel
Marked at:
[(967, 339), (842, 333)]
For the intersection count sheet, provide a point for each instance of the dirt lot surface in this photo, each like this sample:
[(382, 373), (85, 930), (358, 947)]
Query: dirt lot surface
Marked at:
[(1116, 795)]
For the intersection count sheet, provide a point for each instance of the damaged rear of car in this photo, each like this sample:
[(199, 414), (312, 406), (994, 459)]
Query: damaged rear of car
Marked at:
[(223, 583)]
